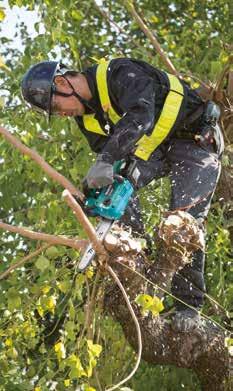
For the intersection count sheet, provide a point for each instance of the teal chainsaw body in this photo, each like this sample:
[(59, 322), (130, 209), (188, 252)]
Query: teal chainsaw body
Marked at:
[(111, 201), (108, 203)]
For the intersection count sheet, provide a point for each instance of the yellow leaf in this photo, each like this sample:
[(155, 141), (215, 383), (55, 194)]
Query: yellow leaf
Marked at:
[(40, 311), (60, 350), (67, 382), (99, 60), (90, 272), (92, 365), (51, 303), (2, 14), (88, 388), (3, 65), (149, 303), (195, 85), (75, 364), (94, 349), (46, 289), (154, 19), (8, 342)]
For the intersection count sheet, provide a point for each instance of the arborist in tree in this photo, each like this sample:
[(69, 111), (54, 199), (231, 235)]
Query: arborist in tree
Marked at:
[(130, 110)]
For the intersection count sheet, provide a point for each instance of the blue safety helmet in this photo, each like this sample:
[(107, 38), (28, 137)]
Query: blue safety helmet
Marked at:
[(37, 84)]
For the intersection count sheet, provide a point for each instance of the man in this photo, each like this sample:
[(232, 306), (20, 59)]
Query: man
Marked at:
[(129, 110)]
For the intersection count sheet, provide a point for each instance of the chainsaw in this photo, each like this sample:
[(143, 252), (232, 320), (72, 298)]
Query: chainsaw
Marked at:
[(108, 203)]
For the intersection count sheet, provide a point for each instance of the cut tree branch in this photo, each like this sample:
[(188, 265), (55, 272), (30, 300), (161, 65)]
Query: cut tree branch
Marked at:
[(56, 176), (84, 221), (52, 239)]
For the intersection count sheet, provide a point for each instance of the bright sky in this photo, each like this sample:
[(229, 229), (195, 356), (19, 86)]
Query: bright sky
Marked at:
[(14, 16)]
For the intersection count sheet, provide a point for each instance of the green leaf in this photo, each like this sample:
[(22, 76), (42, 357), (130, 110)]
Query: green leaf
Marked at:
[(52, 252), (64, 286), (228, 342), (80, 279), (77, 15), (74, 173), (14, 300), (75, 364), (42, 263), (2, 102), (215, 68)]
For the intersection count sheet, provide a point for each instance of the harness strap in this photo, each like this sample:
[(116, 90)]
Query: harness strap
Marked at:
[(166, 121), (92, 125), (102, 85)]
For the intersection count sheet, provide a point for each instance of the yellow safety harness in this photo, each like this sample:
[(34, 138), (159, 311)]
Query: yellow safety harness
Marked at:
[(167, 119)]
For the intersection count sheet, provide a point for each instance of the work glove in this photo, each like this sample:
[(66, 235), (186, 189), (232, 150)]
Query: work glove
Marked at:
[(100, 174)]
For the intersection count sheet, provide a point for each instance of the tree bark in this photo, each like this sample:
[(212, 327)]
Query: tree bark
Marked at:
[(203, 349)]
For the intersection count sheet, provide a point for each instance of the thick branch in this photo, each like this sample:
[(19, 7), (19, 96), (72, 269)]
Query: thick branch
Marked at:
[(87, 226), (41, 162), (129, 5), (70, 189), (202, 349), (59, 240)]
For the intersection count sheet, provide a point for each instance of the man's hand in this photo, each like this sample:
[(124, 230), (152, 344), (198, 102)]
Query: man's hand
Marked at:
[(100, 174)]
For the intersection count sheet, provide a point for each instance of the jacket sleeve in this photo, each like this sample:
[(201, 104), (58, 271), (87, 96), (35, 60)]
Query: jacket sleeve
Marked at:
[(132, 91)]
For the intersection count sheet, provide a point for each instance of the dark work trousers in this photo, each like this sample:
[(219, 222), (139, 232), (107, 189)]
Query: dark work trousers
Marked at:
[(194, 169)]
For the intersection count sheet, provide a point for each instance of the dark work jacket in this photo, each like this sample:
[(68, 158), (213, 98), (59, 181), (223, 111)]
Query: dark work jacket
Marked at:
[(137, 92)]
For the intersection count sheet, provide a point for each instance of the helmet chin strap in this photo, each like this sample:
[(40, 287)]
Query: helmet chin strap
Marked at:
[(73, 93)]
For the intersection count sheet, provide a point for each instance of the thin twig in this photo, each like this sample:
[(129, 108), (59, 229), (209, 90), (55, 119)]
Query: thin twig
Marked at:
[(114, 276), (129, 5), (188, 74), (93, 296), (97, 379), (221, 78), (108, 19), (23, 261), (52, 239), (90, 304), (41, 162), (87, 316)]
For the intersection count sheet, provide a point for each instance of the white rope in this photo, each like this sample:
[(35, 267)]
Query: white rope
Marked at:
[(113, 274)]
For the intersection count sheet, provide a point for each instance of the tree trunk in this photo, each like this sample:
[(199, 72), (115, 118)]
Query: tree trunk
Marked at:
[(203, 349)]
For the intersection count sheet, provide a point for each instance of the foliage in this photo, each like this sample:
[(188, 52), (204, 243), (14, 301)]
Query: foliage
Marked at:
[(42, 304), (149, 304)]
